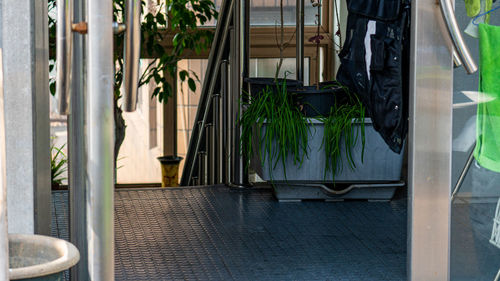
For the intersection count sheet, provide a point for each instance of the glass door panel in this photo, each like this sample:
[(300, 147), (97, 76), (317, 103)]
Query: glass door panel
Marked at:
[(475, 254)]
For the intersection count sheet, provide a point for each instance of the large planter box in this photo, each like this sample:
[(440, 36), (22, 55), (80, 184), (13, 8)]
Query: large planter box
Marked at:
[(381, 165)]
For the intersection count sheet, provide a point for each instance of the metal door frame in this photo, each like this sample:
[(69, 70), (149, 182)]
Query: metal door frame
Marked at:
[(436, 43)]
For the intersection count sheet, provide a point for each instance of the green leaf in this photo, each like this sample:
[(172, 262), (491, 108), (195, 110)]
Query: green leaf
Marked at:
[(52, 87), (183, 74), (191, 84)]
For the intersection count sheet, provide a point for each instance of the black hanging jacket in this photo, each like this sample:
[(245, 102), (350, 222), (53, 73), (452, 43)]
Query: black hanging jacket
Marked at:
[(374, 63)]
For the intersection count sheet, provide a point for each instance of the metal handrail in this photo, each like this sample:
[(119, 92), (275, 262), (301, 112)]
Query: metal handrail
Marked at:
[(132, 51), (463, 54), (218, 53)]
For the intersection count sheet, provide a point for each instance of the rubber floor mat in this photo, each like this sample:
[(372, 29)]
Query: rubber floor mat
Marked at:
[(214, 233)]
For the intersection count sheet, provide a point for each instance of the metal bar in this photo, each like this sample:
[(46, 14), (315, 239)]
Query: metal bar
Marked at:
[(460, 47), (64, 51), (299, 47), (217, 139), (100, 141), (194, 181), (226, 137), (429, 147), (132, 52), (240, 70), (211, 152), (4, 241), (76, 146), (40, 115), (217, 52), (202, 167), (463, 174), (215, 56)]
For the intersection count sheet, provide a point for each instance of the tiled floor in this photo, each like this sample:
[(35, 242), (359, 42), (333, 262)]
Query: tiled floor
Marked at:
[(213, 233)]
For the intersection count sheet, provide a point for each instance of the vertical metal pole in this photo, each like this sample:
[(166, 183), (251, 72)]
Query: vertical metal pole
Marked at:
[(202, 168), (211, 152), (226, 112), (430, 146), (299, 68), (76, 146), (100, 134), (240, 70), (217, 139), (4, 240)]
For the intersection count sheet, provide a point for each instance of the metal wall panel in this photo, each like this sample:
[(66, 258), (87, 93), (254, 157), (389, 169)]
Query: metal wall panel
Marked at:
[(429, 145)]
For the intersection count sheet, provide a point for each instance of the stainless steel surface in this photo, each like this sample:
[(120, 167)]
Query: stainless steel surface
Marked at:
[(4, 241), (460, 47), (211, 152), (132, 51), (76, 153), (64, 51), (463, 174), (225, 138), (119, 28), (430, 140), (41, 124), (100, 141), (456, 60), (202, 157), (300, 40), (239, 70), (218, 52), (218, 138)]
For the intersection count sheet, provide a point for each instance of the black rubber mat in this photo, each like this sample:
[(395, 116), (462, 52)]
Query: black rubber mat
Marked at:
[(213, 233)]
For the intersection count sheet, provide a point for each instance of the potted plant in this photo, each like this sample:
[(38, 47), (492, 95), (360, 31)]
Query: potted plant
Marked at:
[(180, 24), (302, 156), (302, 140)]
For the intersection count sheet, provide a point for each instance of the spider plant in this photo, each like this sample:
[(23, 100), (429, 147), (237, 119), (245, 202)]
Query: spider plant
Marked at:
[(286, 130), (341, 126), (57, 165), (273, 124)]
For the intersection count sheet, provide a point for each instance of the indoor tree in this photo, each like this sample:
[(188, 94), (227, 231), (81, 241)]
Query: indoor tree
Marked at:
[(170, 32)]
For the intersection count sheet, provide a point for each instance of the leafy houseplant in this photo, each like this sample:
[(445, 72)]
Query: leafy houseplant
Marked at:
[(274, 126), (179, 25), (286, 130), (280, 120), (58, 165)]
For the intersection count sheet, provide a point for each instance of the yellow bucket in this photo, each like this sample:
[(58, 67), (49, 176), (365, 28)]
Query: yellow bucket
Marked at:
[(169, 170)]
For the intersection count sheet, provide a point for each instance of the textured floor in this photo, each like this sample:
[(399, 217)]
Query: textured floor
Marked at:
[(217, 234)]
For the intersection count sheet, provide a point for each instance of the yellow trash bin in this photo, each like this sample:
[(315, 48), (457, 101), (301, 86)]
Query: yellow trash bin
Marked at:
[(169, 170)]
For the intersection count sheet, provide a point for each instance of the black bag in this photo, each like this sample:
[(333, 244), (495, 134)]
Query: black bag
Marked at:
[(374, 63)]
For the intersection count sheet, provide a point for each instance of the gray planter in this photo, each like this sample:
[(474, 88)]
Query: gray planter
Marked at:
[(379, 174), (37, 257)]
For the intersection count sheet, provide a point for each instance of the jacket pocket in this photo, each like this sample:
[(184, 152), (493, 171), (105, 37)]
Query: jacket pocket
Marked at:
[(378, 54)]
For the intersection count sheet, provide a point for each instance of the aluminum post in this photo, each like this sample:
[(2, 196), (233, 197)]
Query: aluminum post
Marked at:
[(211, 151), (76, 146), (4, 241), (218, 136), (226, 140), (240, 70), (100, 140)]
